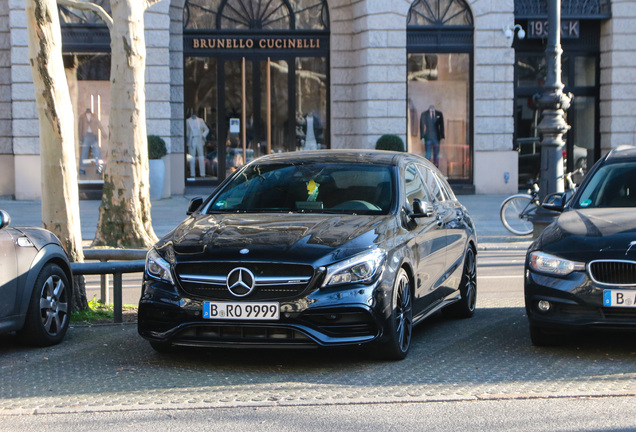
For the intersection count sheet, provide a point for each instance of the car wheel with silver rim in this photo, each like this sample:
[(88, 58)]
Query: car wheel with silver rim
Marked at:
[(48, 314), (400, 324)]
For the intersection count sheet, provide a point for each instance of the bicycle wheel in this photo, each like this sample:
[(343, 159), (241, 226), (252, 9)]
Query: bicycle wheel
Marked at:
[(514, 214)]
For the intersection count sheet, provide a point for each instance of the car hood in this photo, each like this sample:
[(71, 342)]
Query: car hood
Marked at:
[(303, 238), (603, 233)]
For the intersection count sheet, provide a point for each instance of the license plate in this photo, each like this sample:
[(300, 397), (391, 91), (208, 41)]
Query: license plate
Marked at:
[(619, 298), (241, 311)]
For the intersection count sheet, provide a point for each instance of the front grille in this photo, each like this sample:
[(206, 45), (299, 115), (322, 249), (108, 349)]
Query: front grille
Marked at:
[(613, 272), (619, 314), (202, 334), (272, 281)]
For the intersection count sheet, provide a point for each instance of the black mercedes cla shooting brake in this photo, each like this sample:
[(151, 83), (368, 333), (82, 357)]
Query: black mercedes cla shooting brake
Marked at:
[(308, 249), (581, 271)]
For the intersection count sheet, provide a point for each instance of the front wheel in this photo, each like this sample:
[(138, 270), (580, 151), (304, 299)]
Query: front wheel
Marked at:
[(162, 347), (545, 338), (400, 324), (515, 213), (48, 314)]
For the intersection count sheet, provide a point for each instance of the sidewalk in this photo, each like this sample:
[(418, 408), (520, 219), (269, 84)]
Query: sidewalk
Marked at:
[(167, 213)]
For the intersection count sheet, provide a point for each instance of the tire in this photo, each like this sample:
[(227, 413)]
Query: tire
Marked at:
[(465, 307), (162, 347), (48, 315), (400, 324), (544, 338), (514, 214)]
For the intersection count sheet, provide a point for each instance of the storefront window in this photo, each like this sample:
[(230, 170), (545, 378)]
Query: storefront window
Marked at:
[(201, 119), (311, 103), (263, 90), (530, 76), (88, 78), (256, 14), (585, 71), (440, 46), (439, 107)]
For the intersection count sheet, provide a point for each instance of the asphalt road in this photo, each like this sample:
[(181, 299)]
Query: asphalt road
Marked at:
[(529, 415)]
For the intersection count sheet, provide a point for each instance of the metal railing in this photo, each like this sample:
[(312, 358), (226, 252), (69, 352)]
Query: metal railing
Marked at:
[(127, 261)]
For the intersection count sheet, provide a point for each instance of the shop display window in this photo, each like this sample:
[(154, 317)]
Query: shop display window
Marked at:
[(439, 111), (88, 78)]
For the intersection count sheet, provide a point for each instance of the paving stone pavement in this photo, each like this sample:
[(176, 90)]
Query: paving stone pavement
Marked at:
[(110, 368)]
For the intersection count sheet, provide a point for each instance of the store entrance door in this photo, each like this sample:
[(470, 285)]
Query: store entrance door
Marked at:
[(253, 121), (252, 107)]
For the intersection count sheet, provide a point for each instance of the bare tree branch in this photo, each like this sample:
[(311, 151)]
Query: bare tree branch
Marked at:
[(84, 5)]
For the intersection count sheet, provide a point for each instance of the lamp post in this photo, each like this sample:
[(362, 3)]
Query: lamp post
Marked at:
[(553, 104)]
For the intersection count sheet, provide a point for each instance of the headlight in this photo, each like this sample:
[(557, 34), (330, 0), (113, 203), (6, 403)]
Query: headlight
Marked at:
[(158, 267), (545, 263), (357, 269)]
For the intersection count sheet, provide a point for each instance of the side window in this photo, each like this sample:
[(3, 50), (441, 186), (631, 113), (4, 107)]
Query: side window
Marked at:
[(414, 185), (433, 183)]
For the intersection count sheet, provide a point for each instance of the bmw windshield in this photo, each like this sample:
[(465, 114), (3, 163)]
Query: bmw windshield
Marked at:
[(613, 185)]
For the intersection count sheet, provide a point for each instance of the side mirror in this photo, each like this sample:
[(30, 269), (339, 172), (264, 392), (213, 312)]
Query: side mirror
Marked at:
[(421, 209), (555, 202), (194, 205), (5, 219)]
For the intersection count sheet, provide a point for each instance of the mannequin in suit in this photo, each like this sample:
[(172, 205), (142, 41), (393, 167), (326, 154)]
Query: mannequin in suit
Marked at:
[(311, 128), (432, 132), (88, 126), (196, 131)]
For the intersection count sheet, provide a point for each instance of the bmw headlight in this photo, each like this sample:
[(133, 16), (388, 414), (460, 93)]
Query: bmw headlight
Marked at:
[(550, 264), (157, 267), (357, 269)]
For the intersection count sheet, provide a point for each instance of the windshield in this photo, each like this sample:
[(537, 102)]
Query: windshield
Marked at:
[(613, 185), (311, 188)]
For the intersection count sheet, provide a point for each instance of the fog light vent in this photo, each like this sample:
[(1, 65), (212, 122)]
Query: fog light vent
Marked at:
[(544, 305)]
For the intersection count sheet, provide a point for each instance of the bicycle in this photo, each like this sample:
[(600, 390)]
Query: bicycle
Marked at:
[(516, 211)]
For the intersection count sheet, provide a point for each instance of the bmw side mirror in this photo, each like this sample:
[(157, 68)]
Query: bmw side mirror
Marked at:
[(195, 203), (5, 219), (421, 209), (555, 202)]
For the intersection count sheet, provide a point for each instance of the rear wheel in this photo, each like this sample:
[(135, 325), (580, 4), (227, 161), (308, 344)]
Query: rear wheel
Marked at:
[(515, 212), (400, 324), (465, 307), (48, 314)]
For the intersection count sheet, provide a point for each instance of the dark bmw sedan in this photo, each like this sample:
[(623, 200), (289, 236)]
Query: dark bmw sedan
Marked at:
[(581, 271), (323, 248)]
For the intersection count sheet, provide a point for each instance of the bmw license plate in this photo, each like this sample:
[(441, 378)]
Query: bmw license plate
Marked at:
[(619, 298), (241, 311)]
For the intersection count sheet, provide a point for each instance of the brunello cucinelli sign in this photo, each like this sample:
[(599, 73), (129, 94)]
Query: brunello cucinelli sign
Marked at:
[(233, 43)]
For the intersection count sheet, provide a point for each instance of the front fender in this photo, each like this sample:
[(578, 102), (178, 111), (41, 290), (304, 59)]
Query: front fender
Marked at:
[(51, 253)]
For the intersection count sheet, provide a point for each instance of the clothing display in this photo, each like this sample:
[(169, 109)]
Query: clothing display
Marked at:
[(196, 133), (88, 126), (432, 132), (312, 129)]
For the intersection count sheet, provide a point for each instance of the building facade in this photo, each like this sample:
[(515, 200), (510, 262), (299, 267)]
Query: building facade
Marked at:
[(229, 80)]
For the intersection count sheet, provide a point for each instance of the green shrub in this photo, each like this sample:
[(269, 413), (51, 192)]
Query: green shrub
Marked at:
[(156, 147), (390, 142)]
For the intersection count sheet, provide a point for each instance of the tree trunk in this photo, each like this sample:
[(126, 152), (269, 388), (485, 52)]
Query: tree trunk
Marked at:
[(124, 216), (60, 200)]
